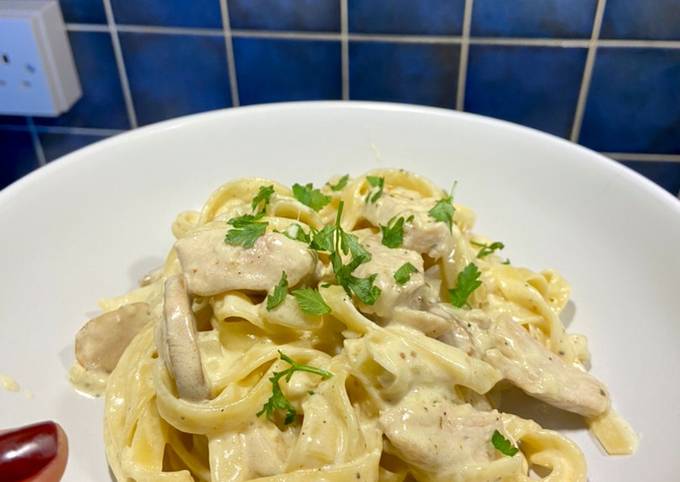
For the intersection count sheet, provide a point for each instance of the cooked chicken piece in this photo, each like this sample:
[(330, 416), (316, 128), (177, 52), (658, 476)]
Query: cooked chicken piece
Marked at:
[(384, 262), (211, 266), (102, 340), (422, 233), (543, 375), (437, 436), (179, 348), (526, 362)]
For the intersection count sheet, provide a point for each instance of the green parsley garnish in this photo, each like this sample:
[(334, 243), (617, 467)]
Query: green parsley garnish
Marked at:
[(403, 274), (340, 185), (278, 400), (310, 301), (262, 197), (296, 233), (351, 242), (363, 288), (487, 249), (507, 261), (468, 281), (247, 229), (393, 233), (378, 182), (502, 444), (279, 293), (309, 196), (323, 240), (443, 211)]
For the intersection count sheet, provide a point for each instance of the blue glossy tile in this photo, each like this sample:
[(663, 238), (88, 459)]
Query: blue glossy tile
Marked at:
[(18, 156), (102, 103), (83, 11), (534, 86), (12, 120), (665, 174), (283, 70), (411, 73), (641, 19), (57, 145), (174, 75), (422, 17), (634, 101), (307, 15), (531, 18), (194, 13)]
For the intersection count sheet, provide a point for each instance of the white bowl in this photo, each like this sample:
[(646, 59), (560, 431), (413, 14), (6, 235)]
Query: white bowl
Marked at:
[(91, 224)]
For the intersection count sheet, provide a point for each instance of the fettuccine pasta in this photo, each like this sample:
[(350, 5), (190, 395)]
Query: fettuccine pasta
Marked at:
[(356, 331)]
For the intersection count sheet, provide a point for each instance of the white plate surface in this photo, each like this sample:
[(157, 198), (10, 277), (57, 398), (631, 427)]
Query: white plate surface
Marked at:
[(91, 224)]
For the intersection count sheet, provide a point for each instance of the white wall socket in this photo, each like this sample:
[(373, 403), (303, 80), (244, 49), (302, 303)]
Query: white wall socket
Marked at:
[(37, 73)]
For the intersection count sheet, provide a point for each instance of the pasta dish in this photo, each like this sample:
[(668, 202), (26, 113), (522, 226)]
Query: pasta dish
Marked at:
[(356, 331)]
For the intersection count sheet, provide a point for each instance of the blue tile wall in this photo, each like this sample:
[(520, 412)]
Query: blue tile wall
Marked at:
[(22, 159), (634, 101), (165, 13), (424, 17), (312, 70), (102, 104), (301, 15), (531, 18), (665, 174), (162, 73), (83, 11), (498, 85), (524, 61), (642, 19), (411, 73), (56, 145)]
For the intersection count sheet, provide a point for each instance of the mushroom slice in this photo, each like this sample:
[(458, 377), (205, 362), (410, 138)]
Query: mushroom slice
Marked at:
[(179, 346), (102, 340)]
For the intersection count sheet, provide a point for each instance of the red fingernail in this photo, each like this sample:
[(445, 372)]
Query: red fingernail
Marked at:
[(27, 450)]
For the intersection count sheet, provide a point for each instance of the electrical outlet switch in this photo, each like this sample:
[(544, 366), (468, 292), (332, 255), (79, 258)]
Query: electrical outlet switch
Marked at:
[(37, 73)]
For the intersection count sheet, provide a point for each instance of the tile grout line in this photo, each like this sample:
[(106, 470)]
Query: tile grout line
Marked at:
[(643, 157), (587, 72), (367, 37), (31, 127), (344, 48), (120, 63), (86, 131), (35, 138), (229, 47), (463, 60)]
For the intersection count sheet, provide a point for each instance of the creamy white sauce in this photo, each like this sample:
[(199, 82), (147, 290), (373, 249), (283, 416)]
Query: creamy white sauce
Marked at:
[(8, 383), (88, 382)]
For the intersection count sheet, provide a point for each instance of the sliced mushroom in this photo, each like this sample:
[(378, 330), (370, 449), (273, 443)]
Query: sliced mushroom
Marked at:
[(102, 340), (179, 348)]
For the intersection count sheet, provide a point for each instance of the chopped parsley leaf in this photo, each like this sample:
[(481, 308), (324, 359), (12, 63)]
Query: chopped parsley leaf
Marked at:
[(279, 293), (278, 400), (263, 197), (340, 185), (378, 182), (310, 301), (443, 211), (393, 233), (468, 281), (309, 196), (487, 249), (296, 233), (403, 274), (247, 229), (323, 240), (502, 444)]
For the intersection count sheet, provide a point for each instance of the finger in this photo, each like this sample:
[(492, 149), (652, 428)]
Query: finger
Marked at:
[(35, 453)]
